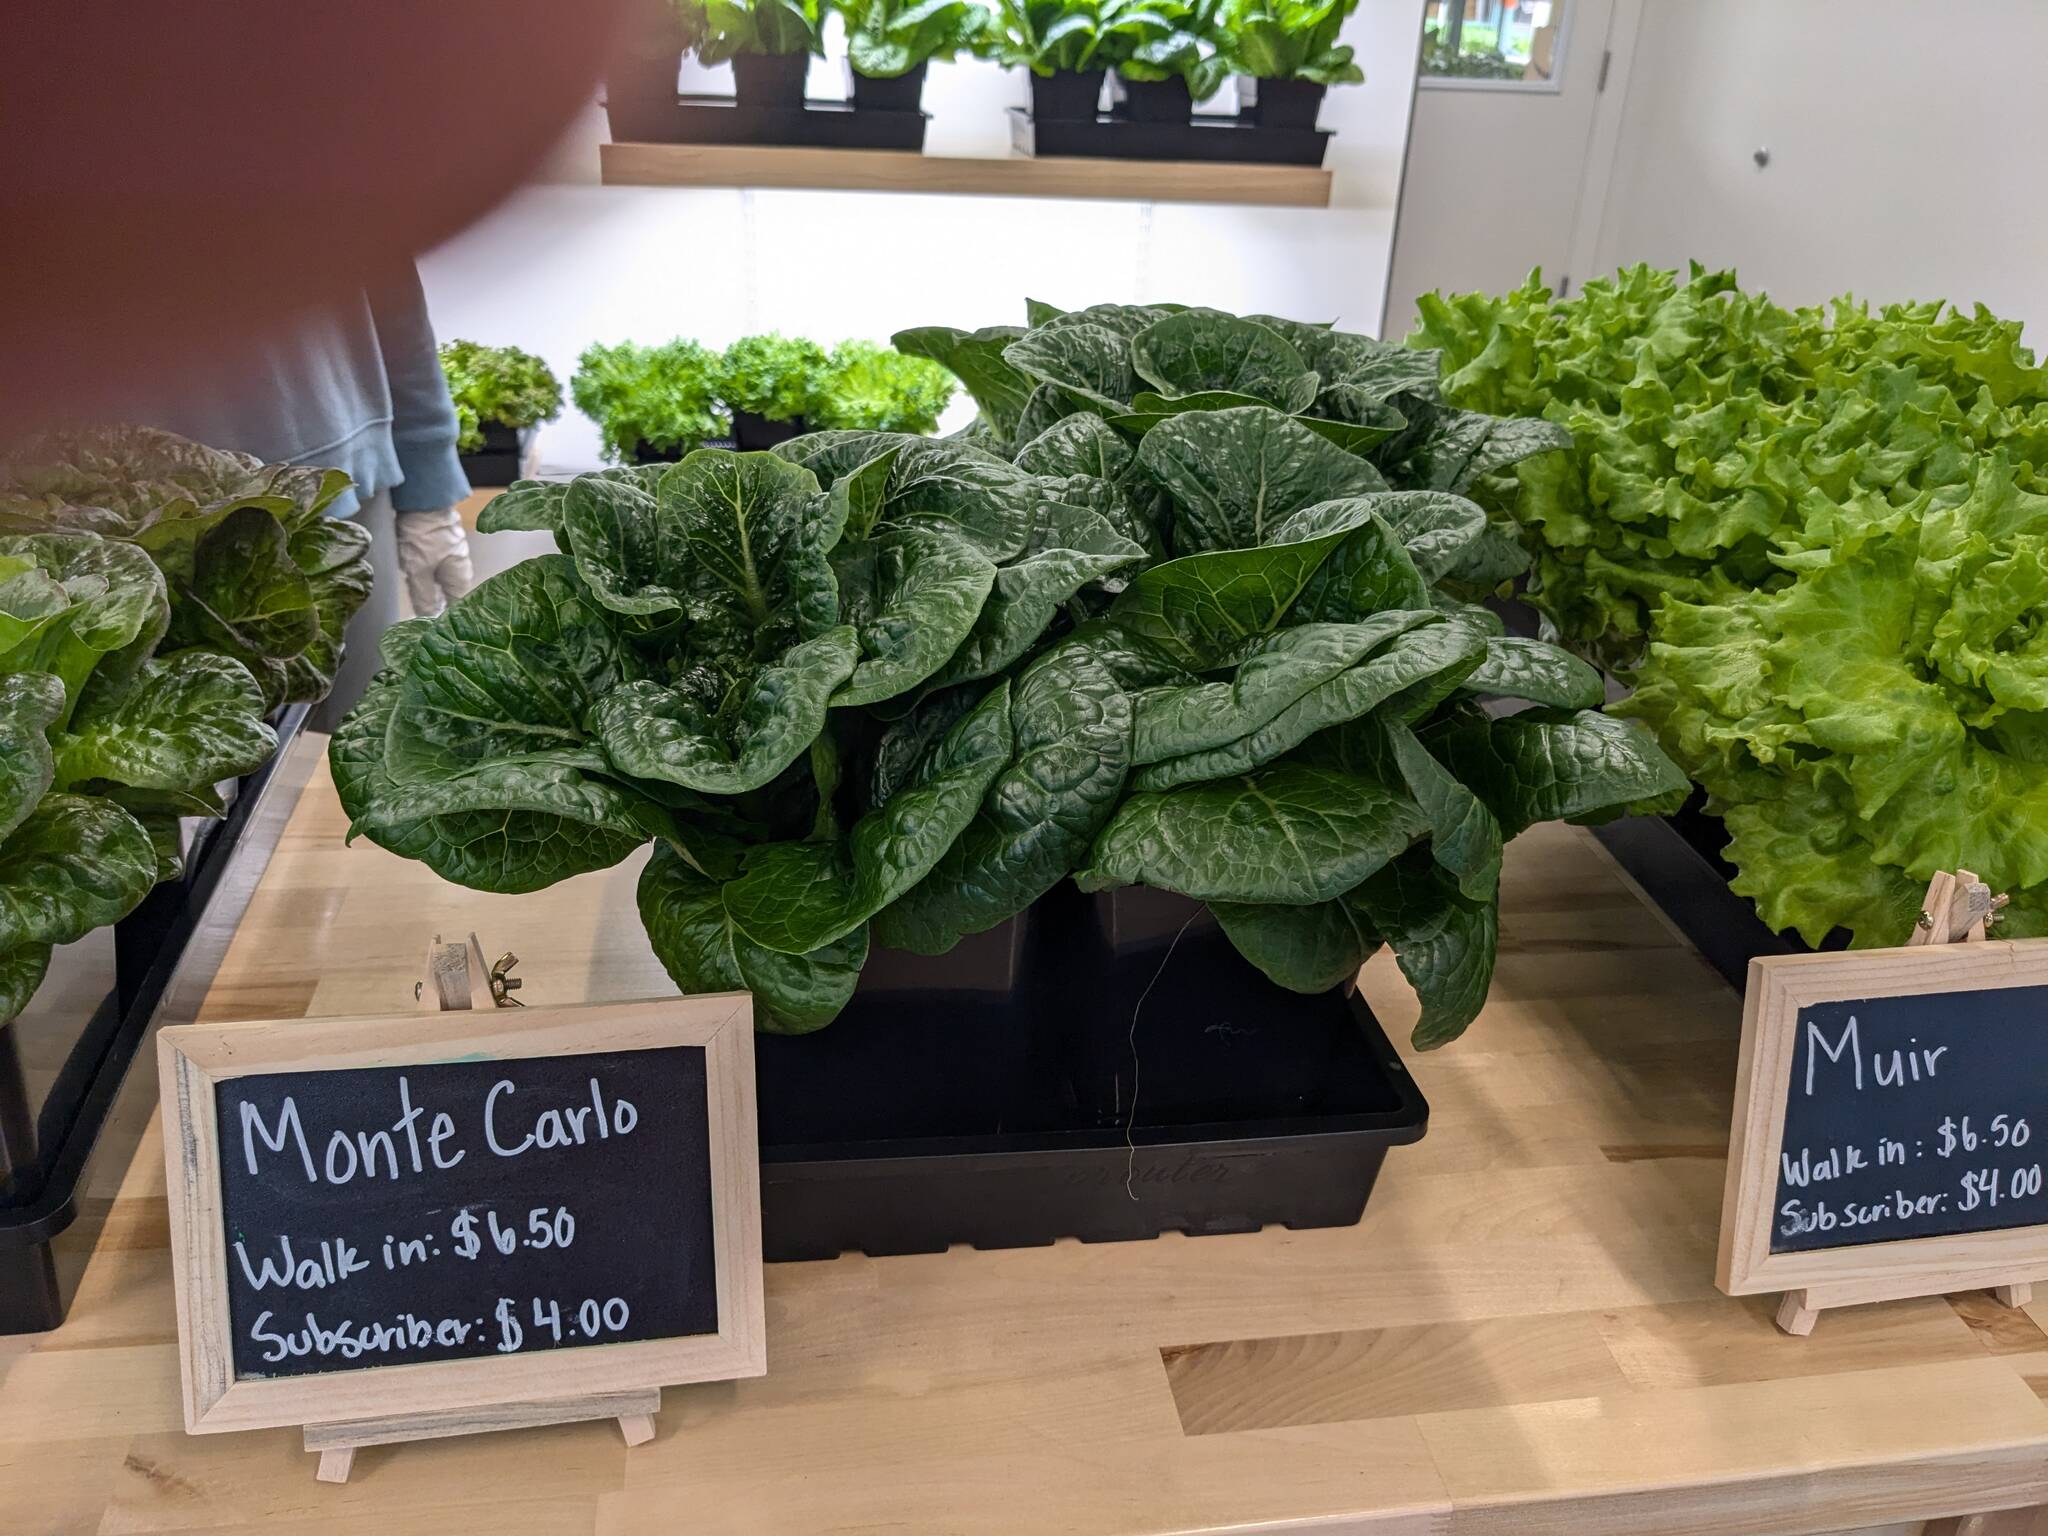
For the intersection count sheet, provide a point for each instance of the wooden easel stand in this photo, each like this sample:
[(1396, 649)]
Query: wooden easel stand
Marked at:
[(457, 978)]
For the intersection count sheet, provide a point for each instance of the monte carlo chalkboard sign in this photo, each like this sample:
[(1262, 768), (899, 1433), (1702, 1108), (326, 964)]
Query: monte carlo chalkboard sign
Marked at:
[(1891, 1127), (402, 1227)]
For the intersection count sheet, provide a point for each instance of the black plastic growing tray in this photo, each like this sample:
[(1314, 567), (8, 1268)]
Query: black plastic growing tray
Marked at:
[(1678, 862), (1013, 1092), (1109, 136), (817, 124), (65, 1060)]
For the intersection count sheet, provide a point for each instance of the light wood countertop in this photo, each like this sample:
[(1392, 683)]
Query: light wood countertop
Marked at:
[(1522, 1335)]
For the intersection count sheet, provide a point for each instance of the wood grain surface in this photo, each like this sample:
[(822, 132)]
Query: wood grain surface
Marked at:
[(1522, 1335), (896, 170)]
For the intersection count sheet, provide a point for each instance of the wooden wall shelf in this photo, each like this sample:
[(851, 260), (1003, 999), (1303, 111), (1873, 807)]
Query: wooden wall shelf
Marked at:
[(891, 170)]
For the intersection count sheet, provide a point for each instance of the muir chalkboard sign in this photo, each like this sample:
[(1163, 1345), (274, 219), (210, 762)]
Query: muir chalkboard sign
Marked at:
[(1891, 1126), (391, 1228)]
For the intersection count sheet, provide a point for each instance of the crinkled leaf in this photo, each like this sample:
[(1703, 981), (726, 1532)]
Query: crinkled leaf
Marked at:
[(1291, 832), (1272, 673), (1518, 668), (74, 864), (1072, 723), (976, 359), (721, 742), (1436, 527), (1434, 656), (797, 897), (30, 703), (1070, 547), (535, 506), (21, 972), (1088, 363), (1308, 948), (186, 721), (1200, 350), (334, 555), (1551, 765), (1445, 943), (941, 484), (913, 596), (1464, 838), (695, 940), (245, 595), (74, 604), (1235, 475)]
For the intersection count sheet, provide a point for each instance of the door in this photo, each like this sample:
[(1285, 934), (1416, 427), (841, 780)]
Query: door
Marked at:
[(1511, 147)]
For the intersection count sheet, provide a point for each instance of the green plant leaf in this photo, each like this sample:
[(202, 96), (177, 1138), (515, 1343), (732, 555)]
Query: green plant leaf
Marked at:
[(1237, 474), (796, 897), (190, 719), (722, 741), (535, 506), (1303, 948), (1290, 832), (695, 940), (1089, 363), (912, 596), (1072, 725), (30, 703), (1445, 943), (1435, 655), (976, 359), (1516, 668), (74, 864), (21, 972), (1070, 546), (1200, 350), (1464, 837), (1550, 765)]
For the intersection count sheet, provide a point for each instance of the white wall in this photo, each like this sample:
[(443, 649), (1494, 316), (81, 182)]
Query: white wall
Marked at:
[(568, 262), (1906, 144)]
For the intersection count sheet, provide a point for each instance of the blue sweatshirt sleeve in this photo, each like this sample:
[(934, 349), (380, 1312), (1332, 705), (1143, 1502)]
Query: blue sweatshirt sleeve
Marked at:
[(423, 430)]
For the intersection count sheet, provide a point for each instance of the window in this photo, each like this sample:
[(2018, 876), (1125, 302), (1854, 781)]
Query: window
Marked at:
[(1493, 43)]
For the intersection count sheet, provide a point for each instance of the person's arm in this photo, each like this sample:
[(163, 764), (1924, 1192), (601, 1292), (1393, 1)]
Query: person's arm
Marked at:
[(423, 430)]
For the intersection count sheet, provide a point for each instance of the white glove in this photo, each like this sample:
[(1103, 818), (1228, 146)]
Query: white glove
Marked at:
[(433, 551)]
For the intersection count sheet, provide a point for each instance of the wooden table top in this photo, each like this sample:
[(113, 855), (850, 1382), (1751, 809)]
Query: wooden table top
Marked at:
[(1522, 1335)]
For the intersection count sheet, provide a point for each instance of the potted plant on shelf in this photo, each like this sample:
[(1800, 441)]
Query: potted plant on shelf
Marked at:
[(640, 78), (768, 382), (1290, 48), (651, 404), (889, 46), (1058, 41), (501, 396), (878, 389), (1168, 55), (769, 43)]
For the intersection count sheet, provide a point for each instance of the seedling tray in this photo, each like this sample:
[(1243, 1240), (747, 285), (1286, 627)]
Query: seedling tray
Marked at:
[(1014, 1093), (1107, 136), (1677, 861), (64, 1062), (817, 124)]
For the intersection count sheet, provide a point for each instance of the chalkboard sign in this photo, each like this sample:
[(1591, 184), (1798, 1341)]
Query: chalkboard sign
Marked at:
[(465, 1209), (437, 1212), (1914, 1117), (1891, 1125)]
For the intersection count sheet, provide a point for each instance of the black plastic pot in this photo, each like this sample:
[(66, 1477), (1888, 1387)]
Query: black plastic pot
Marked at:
[(897, 93), (640, 97), (1011, 1092), (756, 434), (1228, 139), (770, 79), (499, 461), (1288, 103), (1157, 101), (1678, 862), (645, 452), (823, 124), (1066, 94), (92, 1020)]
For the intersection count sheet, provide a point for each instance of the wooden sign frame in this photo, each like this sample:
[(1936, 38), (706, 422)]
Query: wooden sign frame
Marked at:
[(2007, 1260), (356, 1407)]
